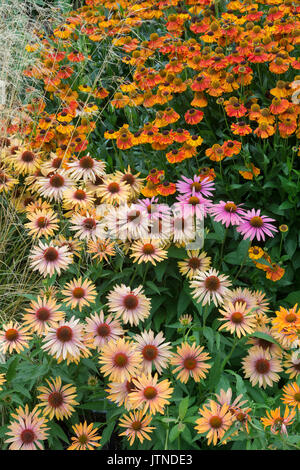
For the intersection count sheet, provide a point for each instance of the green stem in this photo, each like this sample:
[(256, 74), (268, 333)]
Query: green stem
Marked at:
[(235, 342)]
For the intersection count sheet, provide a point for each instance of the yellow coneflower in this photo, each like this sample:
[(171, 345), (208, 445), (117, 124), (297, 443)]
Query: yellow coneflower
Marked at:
[(86, 438), (215, 421), (191, 362), (137, 426), (78, 293), (43, 223), (120, 360), (57, 399), (150, 393), (194, 264), (43, 314)]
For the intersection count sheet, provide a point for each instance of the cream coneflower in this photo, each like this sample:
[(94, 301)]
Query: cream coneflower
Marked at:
[(43, 314), (48, 259), (27, 429), (14, 337), (113, 191), (66, 341), (118, 392), (238, 319), (260, 367), (54, 186), (57, 399), (77, 198), (43, 223), (144, 251), (150, 393), (120, 360), (78, 293), (215, 421), (86, 438), (87, 226), (132, 181), (86, 168), (101, 249), (191, 362), (210, 285), (103, 330), (137, 426), (154, 350), (129, 304), (25, 162), (195, 263)]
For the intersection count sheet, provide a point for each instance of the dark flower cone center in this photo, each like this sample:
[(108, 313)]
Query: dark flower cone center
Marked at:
[(27, 436), (43, 314), (11, 334), (130, 302), (190, 363), (136, 425), (194, 263), (237, 317), (64, 334), (262, 366), (80, 195), (148, 249), (27, 156), (194, 200), (57, 181), (196, 186), (113, 188), (42, 222), (55, 399), (129, 179), (78, 292), (103, 330), (291, 318), (86, 163), (215, 422), (230, 207), (150, 352), (89, 223), (150, 393), (50, 254), (212, 283), (120, 359)]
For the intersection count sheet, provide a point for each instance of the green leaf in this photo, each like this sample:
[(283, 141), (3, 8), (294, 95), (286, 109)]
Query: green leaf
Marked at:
[(175, 431), (107, 432), (153, 287), (265, 336), (183, 407), (12, 369), (58, 432), (94, 405), (293, 297), (183, 302)]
